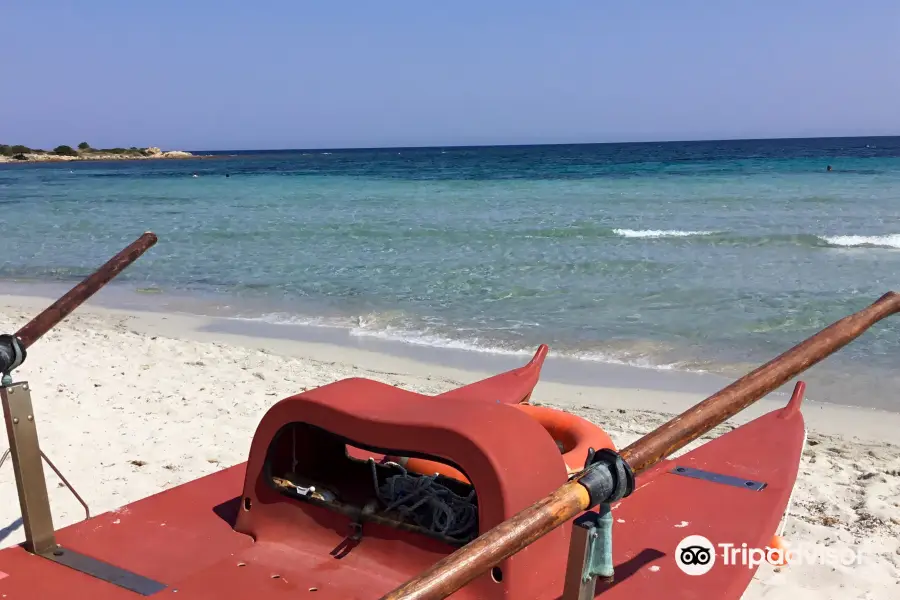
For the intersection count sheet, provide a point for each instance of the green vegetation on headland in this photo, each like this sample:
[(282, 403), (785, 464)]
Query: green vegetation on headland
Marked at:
[(84, 151)]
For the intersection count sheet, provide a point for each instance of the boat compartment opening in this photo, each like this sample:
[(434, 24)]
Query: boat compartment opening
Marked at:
[(309, 464)]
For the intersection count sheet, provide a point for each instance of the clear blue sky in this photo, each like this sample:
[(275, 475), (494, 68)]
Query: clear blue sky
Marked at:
[(198, 74)]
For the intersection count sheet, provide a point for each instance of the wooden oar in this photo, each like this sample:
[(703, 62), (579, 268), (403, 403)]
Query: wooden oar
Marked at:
[(12, 348), (458, 569), (59, 310)]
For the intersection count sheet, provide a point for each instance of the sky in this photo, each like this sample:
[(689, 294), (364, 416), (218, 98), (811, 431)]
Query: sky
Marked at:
[(215, 75)]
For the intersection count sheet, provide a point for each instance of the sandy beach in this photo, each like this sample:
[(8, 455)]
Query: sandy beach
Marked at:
[(132, 403)]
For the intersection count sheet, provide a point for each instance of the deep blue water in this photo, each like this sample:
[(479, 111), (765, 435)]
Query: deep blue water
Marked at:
[(694, 255)]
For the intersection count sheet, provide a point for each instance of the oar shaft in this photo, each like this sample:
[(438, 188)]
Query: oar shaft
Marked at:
[(60, 309), (458, 569)]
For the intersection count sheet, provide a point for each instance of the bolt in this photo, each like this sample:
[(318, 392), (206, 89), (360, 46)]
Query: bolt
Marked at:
[(15, 420), (30, 417)]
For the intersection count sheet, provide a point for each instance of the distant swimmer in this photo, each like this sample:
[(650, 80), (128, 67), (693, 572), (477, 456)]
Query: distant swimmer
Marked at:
[(227, 174), (829, 168), (195, 175)]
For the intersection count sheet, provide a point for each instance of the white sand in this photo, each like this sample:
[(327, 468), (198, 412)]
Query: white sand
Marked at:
[(131, 404)]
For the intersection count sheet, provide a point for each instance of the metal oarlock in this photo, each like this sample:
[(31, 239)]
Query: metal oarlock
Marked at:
[(607, 478), (24, 448), (18, 414), (12, 355)]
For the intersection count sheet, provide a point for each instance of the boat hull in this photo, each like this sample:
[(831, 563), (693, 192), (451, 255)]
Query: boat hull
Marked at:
[(183, 537)]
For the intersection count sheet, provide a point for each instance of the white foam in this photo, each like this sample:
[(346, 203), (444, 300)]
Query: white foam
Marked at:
[(289, 319), (476, 345), (849, 241), (658, 233), (365, 327), (434, 341)]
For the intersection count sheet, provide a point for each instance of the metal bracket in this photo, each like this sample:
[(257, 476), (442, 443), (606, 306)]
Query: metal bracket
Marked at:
[(747, 484), (65, 482), (28, 468), (105, 571), (34, 501), (590, 554)]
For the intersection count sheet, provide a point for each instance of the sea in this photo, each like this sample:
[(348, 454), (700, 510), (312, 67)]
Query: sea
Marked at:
[(679, 257)]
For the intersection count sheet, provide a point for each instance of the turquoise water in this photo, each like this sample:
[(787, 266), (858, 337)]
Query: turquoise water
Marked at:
[(688, 256)]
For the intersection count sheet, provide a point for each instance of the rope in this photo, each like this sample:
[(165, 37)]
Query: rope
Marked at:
[(429, 504)]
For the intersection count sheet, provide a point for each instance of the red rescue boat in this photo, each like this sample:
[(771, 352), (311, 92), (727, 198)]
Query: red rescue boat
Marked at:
[(523, 506)]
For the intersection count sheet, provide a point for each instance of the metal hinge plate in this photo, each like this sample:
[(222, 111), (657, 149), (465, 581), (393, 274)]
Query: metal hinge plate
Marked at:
[(747, 484), (105, 571)]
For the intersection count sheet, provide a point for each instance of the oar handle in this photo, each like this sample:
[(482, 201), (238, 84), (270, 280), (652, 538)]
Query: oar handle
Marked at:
[(458, 569), (59, 310)]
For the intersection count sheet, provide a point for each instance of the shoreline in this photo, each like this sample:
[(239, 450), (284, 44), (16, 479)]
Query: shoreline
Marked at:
[(130, 403), (458, 366), (215, 315)]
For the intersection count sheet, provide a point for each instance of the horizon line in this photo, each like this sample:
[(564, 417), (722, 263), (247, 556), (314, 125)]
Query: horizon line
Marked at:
[(531, 145)]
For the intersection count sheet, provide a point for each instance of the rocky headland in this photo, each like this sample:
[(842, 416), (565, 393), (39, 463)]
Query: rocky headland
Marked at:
[(85, 152)]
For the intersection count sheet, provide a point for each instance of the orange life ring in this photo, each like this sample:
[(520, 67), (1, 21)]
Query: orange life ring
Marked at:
[(572, 434), (424, 466)]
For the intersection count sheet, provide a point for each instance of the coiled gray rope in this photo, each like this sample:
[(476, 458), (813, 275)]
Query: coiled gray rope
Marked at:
[(429, 504)]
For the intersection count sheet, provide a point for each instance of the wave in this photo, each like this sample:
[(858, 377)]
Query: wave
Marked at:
[(366, 327), (855, 241), (801, 239), (658, 233), (477, 345)]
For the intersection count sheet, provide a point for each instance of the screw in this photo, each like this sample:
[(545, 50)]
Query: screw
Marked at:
[(15, 420), (30, 417)]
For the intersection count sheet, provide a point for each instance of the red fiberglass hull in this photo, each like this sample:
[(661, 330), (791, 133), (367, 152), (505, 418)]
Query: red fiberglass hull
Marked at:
[(188, 540)]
